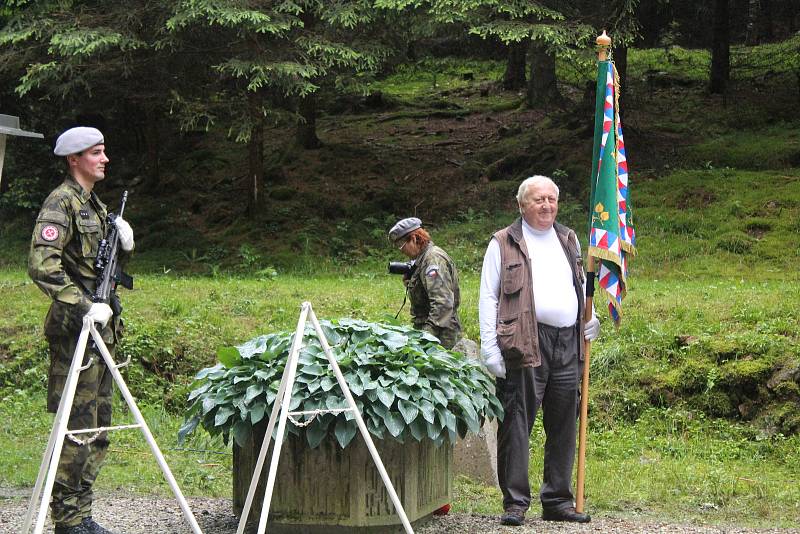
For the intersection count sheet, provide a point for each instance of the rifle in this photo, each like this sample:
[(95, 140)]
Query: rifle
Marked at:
[(107, 265)]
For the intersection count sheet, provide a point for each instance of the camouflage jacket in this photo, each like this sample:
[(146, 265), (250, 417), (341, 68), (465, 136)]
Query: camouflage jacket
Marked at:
[(63, 249), (435, 295)]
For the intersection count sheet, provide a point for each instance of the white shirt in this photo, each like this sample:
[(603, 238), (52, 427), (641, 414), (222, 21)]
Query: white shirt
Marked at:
[(554, 296)]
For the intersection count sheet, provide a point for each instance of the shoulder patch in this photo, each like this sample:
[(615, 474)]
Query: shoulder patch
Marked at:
[(50, 232), (433, 271)]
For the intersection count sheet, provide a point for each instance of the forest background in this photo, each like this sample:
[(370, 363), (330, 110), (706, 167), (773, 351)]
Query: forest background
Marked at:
[(268, 147)]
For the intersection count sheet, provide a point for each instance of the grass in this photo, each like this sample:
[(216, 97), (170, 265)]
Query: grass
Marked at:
[(708, 471), (773, 147), (695, 276), (684, 423), (427, 80), (670, 461), (716, 221), (429, 77), (669, 464), (747, 62), (174, 324), (672, 464), (201, 465)]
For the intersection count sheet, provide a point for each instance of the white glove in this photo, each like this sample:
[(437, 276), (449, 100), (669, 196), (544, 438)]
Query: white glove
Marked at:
[(496, 365), (125, 233), (591, 329), (100, 312)]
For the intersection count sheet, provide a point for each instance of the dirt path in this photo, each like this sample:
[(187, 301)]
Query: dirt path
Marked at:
[(140, 515)]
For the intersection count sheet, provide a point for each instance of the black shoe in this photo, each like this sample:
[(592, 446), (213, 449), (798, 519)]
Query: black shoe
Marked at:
[(77, 529), (512, 517), (565, 514), (91, 526)]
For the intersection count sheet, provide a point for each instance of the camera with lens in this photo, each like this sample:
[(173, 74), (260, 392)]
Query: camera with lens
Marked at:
[(401, 267)]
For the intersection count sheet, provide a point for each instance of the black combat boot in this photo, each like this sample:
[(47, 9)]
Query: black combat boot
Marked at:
[(77, 529), (91, 526)]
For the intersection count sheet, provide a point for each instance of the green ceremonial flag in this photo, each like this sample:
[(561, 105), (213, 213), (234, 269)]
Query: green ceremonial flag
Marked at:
[(611, 235)]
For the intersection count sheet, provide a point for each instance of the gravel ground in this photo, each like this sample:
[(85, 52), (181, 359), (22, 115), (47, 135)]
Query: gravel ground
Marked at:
[(141, 515)]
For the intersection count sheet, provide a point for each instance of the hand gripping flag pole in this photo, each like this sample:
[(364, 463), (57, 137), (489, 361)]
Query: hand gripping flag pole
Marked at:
[(611, 235)]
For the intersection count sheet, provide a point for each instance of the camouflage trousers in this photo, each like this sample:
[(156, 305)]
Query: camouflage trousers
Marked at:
[(91, 408), (448, 337)]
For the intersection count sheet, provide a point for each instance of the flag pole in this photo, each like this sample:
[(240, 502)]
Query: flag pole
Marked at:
[(587, 353), (603, 43)]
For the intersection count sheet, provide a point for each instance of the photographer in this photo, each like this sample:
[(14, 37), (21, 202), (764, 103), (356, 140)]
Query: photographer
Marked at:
[(431, 281)]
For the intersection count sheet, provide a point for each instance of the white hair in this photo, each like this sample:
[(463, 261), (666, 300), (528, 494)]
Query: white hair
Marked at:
[(536, 180)]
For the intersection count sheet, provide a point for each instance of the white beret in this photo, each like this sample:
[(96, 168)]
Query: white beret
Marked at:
[(77, 140), (403, 227)]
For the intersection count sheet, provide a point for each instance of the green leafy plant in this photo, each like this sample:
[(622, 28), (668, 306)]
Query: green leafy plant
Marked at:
[(405, 385), (249, 256)]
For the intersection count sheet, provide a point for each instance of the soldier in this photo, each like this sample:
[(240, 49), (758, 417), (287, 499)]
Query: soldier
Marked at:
[(65, 242), (433, 283)]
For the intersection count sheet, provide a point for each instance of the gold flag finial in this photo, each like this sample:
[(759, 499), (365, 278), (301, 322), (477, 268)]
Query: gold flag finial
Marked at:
[(603, 44)]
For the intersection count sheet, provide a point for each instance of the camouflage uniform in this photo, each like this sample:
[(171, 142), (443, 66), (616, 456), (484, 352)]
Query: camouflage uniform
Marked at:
[(64, 246), (434, 294)]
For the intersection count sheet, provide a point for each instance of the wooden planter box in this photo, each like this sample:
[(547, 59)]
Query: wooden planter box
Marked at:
[(330, 489)]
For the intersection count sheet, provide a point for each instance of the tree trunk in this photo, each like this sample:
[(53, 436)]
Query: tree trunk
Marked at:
[(255, 154), (759, 22), (720, 48), (751, 35), (514, 77), (654, 18), (765, 21), (542, 89), (307, 128)]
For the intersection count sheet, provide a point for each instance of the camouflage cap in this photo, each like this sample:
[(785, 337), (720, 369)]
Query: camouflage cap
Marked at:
[(403, 227), (77, 140)]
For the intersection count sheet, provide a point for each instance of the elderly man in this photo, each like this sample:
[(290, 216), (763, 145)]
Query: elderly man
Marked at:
[(531, 308), (65, 242)]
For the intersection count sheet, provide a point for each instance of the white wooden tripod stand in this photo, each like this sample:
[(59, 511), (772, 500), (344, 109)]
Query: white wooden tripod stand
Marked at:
[(282, 401), (56, 442)]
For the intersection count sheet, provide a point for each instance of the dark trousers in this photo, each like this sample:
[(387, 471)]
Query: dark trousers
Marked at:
[(553, 386)]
